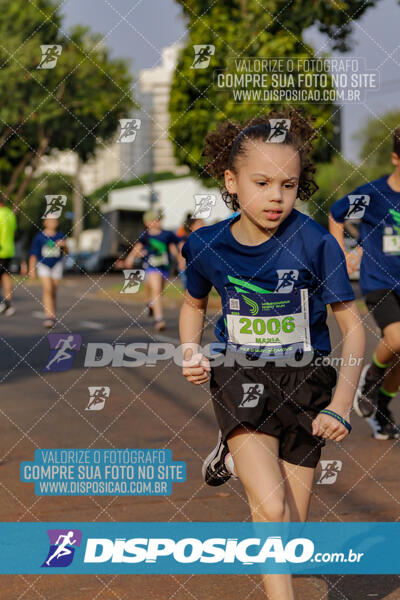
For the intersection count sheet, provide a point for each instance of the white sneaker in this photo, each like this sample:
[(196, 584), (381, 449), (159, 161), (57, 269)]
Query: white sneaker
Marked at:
[(9, 311)]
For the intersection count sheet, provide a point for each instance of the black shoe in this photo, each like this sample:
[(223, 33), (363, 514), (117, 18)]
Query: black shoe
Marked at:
[(383, 425), (214, 469), (365, 399)]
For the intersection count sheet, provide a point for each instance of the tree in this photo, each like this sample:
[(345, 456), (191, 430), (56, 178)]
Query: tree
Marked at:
[(376, 140), (248, 28), (76, 105)]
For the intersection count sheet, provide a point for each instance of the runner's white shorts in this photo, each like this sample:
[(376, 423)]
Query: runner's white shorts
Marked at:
[(55, 272)]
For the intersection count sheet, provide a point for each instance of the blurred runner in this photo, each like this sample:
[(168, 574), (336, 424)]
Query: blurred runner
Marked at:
[(155, 245), (190, 224), (45, 260), (376, 205), (8, 226)]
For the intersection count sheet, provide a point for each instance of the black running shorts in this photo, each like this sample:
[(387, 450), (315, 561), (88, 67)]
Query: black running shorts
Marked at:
[(384, 305), (4, 265), (278, 400)]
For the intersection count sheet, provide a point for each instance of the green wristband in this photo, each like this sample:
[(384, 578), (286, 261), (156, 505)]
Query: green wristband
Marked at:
[(339, 418)]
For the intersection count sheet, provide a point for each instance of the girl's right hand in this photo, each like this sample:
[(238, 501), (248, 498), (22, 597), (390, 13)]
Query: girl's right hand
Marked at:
[(196, 369)]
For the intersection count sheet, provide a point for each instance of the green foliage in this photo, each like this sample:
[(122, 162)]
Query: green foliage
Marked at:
[(75, 105), (335, 180), (248, 28), (376, 139), (34, 203)]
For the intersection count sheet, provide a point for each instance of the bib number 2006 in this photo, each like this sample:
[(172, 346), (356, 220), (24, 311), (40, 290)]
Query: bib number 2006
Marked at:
[(272, 325)]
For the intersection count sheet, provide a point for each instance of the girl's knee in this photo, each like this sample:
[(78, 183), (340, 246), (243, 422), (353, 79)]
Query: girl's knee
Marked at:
[(274, 510), (392, 341)]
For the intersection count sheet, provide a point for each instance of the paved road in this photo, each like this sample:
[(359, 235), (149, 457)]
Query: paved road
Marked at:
[(154, 407)]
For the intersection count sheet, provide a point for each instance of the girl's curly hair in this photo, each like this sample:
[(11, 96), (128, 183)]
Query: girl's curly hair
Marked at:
[(227, 143)]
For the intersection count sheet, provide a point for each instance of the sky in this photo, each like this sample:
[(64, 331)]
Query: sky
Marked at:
[(139, 29)]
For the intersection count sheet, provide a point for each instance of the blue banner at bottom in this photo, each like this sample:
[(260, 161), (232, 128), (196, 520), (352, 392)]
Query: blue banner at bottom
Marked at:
[(199, 548)]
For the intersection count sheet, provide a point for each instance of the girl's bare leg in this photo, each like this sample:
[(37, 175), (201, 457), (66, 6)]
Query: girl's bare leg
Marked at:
[(48, 297), (155, 282), (257, 464)]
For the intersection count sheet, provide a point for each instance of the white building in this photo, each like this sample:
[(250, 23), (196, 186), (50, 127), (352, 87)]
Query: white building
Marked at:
[(151, 148)]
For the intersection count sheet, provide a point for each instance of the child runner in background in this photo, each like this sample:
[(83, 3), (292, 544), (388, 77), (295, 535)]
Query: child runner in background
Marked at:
[(377, 206), (45, 260), (190, 224), (8, 226), (155, 245), (276, 270)]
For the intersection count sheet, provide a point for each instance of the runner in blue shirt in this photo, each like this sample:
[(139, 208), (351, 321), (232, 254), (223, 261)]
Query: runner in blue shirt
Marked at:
[(45, 260), (376, 206), (275, 270), (155, 245)]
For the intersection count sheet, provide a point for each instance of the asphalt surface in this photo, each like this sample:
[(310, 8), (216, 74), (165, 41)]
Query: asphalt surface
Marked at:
[(154, 407)]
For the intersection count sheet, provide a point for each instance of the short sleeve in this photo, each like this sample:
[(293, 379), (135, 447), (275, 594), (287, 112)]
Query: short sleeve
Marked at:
[(198, 285), (333, 282), (351, 206), (339, 209), (174, 239), (35, 249)]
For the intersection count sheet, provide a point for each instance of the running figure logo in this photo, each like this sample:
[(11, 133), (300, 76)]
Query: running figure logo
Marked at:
[(133, 279), (251, 394), (62, 348), (62, 547), (98, 396), (357, 206), (50, 54), (129, 128), (203, 205), (286, 280), (202, 55), (330, 471), (54, 206), (279, 129)]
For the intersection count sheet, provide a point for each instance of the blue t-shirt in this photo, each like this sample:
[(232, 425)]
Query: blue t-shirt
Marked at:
[(377, 207), (273, 295), (157, 248), (44, 248)]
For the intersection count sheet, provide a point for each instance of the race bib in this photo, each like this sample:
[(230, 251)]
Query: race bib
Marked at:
[(272, 325), (158, 261), (391, 242), (51, 251)]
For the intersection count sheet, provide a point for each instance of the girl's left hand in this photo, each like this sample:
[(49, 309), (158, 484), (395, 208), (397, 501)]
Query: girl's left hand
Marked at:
[(330, 428)]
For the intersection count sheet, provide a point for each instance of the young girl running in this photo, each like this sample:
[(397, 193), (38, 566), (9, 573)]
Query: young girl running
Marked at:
[(45, 260), (155, 245), (276, 270)]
